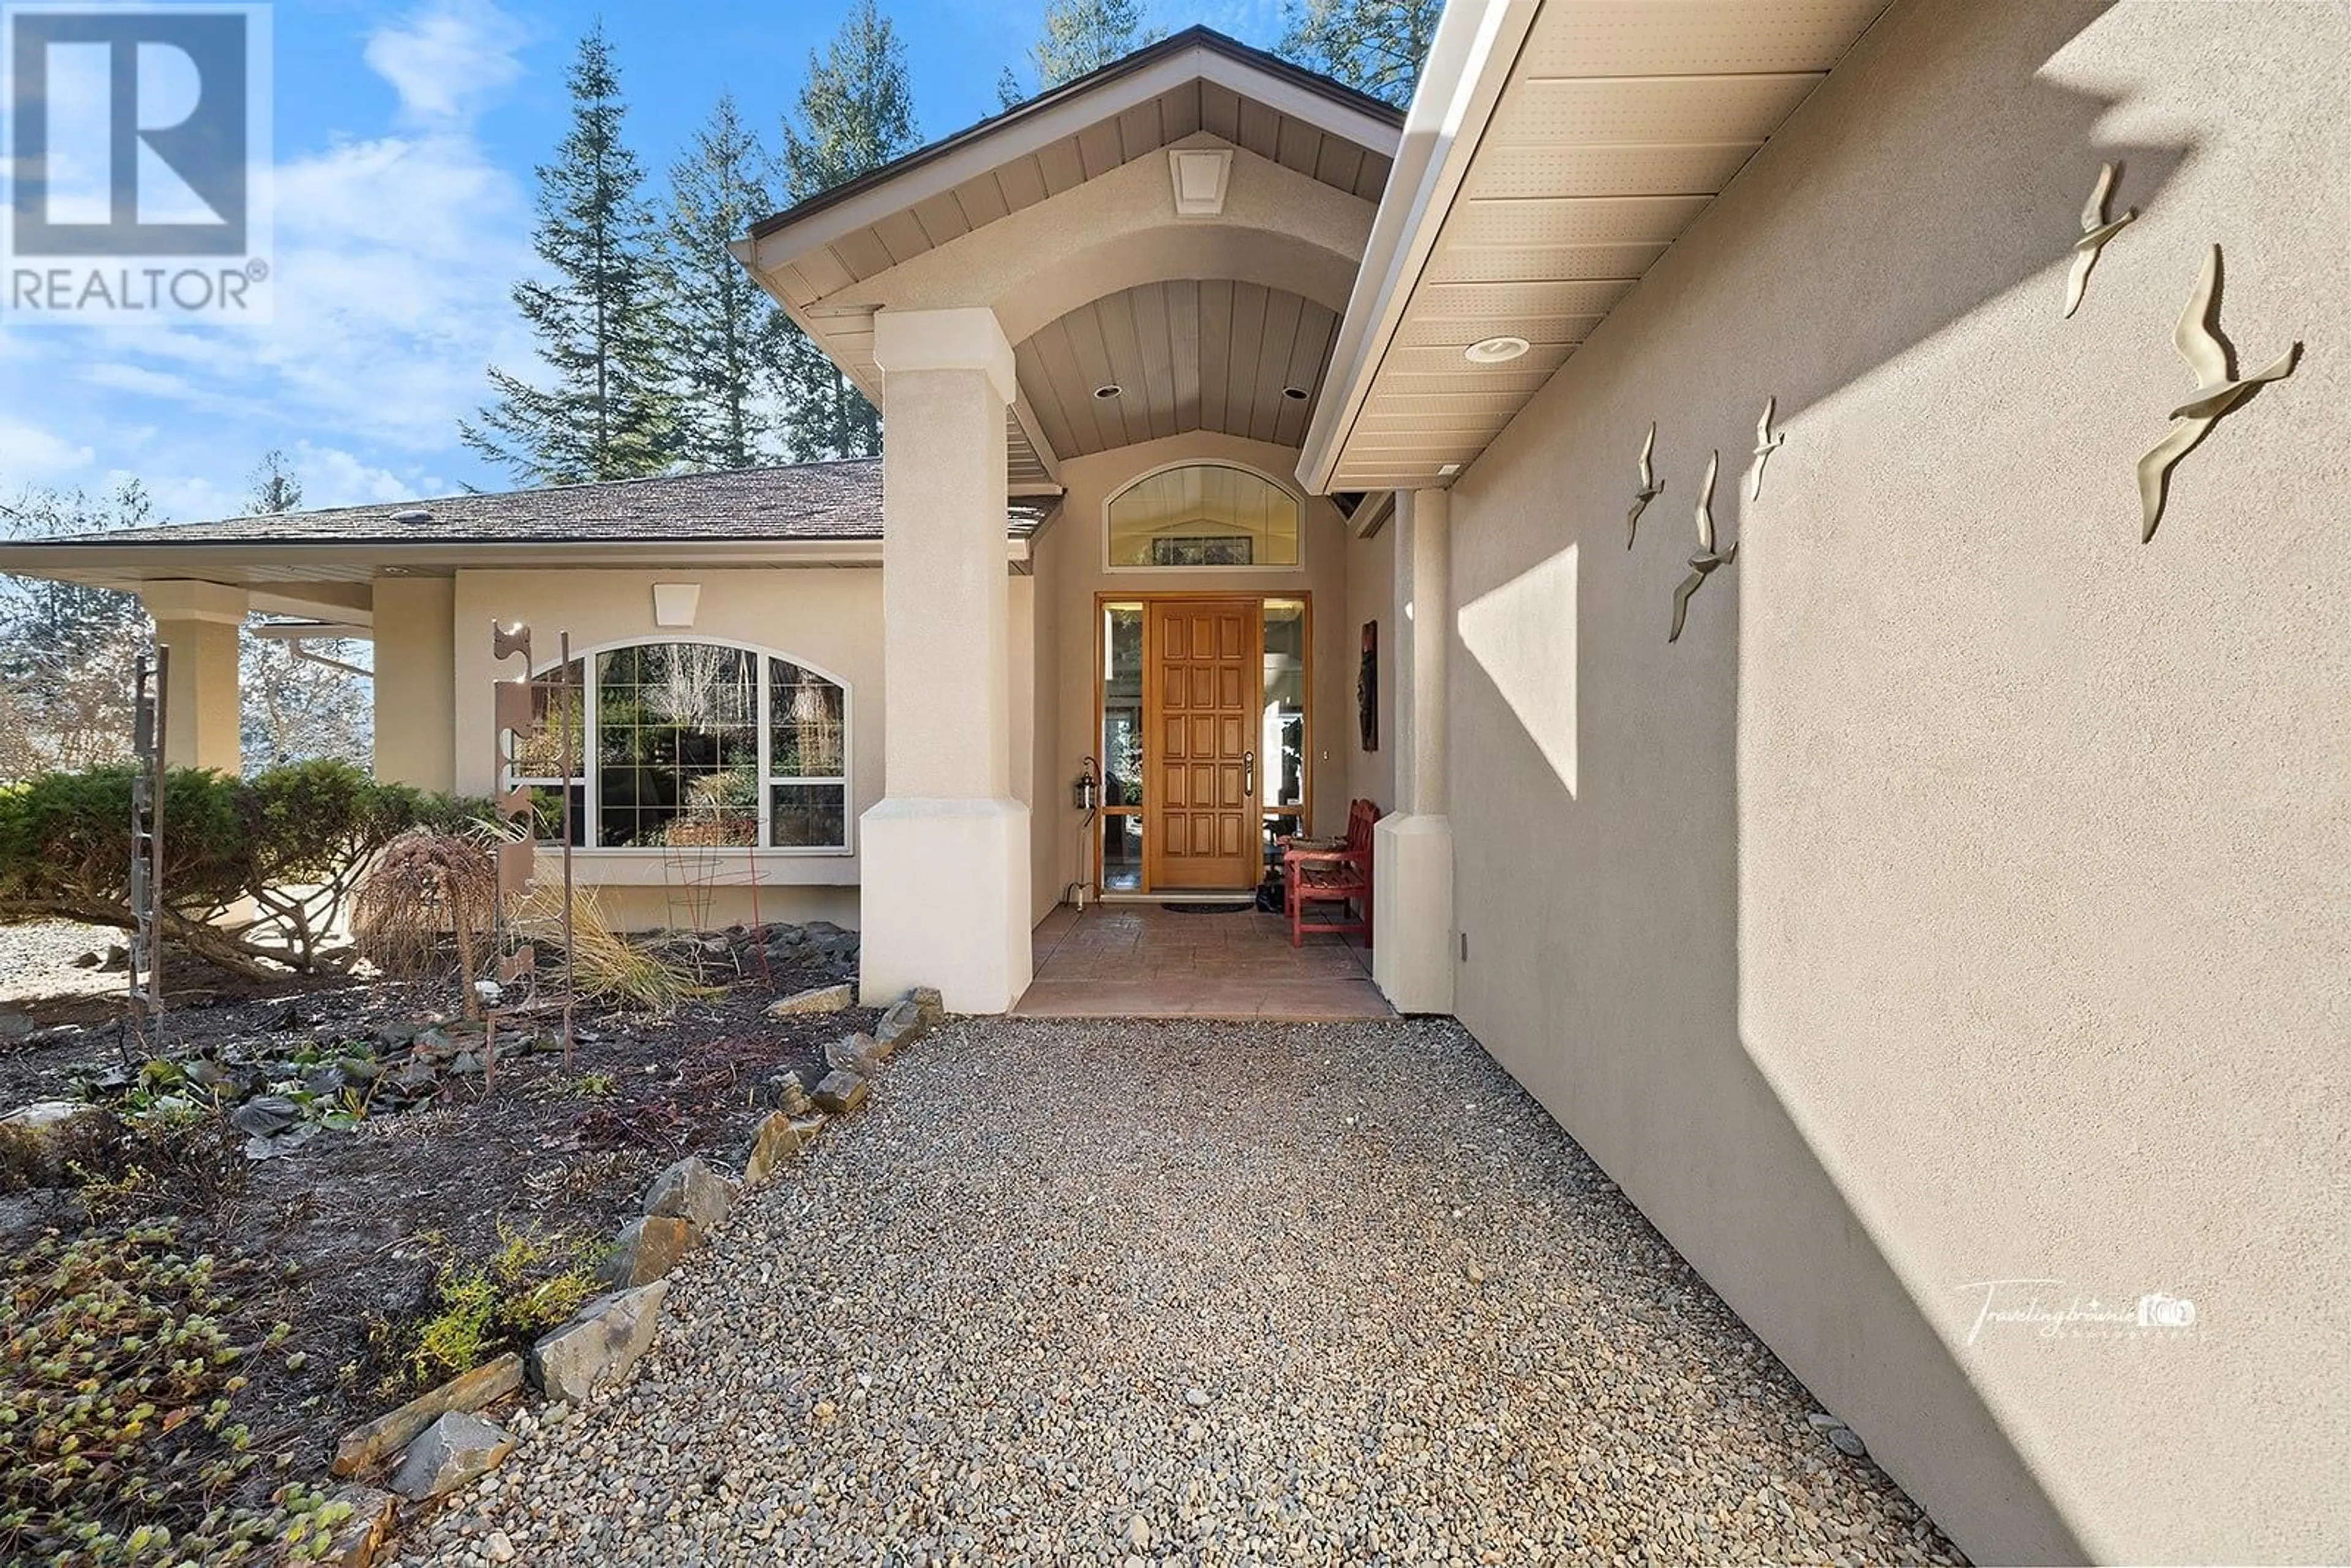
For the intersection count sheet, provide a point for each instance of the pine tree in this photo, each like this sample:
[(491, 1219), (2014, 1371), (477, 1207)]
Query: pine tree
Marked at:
[(276, 487), (729, 332), (855, 114), (608, 410), (1376, 46), (1080, 36)]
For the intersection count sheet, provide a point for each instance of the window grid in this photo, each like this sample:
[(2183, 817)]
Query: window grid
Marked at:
[(820, 799)]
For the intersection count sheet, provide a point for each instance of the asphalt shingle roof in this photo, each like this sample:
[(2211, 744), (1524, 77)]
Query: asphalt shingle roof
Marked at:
[(839, 501)]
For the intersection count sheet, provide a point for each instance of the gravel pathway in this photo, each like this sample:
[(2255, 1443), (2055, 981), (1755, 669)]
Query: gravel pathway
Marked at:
[(1207, 1293), (36, 959)]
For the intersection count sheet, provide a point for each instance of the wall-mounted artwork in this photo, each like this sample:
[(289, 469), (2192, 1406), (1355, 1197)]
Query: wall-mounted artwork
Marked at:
[(1367, 687), (1766, 443), (2218, 390), (1650, 488), (1703, 564), (2096, 231)]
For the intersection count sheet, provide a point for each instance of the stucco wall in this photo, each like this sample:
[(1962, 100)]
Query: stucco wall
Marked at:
[(1371, 596), (830, 618), (414, 686), (1963, 897), (1070, 571)]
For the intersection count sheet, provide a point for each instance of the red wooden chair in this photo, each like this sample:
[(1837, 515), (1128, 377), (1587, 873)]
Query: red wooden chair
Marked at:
[(1339, 876)]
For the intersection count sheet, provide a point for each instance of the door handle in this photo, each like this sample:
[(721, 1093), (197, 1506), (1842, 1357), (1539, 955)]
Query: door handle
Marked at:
[(1248, 775)]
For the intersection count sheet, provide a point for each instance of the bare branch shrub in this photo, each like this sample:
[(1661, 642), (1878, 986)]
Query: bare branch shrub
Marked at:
[(429, 899)]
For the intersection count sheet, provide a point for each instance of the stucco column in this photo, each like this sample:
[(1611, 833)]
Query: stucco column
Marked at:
[(416, 680), (1412, 848), (944, 879), (199, 621)]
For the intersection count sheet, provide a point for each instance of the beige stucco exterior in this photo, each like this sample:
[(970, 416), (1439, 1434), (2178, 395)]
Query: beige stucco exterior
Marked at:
[(197, 623), (1963, 898)]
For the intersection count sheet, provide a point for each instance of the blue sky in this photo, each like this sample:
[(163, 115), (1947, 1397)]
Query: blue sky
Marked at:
[(407, 135)]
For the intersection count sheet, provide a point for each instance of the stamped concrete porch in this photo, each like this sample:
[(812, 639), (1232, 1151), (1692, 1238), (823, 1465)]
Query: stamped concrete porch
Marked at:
[(1139, 960)]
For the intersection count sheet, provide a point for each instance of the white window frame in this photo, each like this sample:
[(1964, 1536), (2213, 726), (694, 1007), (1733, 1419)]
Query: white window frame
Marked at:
[(588, 814), (1297, 499)]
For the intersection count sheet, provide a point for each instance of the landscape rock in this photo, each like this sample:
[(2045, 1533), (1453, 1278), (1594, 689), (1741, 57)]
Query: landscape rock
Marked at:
[(777, 1139), (359, 1539), (42, 1140), (15, 1025), (841, 1091), (363, 1447), (822, 1000), (787, 1094), (595, 1348), (910, 1019), (458, 1449), (1847, 1441), (690, 1190), (858, 1053), (647, 1249)]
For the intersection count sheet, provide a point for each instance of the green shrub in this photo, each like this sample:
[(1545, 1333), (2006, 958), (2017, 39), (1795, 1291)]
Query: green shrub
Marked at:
[(292, 840), (534, 1283)]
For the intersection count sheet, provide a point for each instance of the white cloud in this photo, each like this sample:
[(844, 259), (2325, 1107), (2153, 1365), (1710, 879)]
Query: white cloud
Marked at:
[(35, 457), (447, 59), (394, 253)]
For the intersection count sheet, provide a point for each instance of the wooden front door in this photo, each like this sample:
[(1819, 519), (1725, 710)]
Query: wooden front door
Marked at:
[(1204, 674)]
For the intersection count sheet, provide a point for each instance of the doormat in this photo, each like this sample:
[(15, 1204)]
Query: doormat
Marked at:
[(1243, 907)]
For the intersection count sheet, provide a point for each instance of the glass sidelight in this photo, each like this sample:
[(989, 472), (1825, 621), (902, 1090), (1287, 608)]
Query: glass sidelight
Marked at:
[(1122, 747)]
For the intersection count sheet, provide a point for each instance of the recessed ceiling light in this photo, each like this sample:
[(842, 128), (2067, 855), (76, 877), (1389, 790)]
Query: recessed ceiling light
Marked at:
[(1448, 470), (1296, 395), (1494, 350), (1108, 390)]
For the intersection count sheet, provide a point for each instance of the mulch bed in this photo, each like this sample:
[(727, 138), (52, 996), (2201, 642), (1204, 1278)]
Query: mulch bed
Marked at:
[(352, 1228)]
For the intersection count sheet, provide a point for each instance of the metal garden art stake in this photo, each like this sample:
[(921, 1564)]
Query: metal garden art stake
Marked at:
[(148, 718), (569, 695), (2197, 338), (512, 715), (1704, 563)]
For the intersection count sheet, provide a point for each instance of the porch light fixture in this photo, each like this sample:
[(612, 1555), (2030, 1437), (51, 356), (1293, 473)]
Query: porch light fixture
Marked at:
[(1494, 350), (1108, 390)]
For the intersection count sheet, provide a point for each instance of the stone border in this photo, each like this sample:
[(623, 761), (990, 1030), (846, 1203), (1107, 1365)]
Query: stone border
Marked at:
[(443, 1444)]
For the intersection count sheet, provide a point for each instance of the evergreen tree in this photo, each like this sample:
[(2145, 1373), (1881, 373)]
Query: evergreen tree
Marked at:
[(1376, 46), (607, 412), (855, 114), (729, 334), (1080, 36), (275, 486)]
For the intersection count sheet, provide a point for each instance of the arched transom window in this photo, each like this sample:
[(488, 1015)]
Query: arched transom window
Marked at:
[(1203, 515), (697, 745)]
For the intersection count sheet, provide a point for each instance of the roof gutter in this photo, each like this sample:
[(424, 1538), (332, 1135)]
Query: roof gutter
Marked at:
[(1469, 62)]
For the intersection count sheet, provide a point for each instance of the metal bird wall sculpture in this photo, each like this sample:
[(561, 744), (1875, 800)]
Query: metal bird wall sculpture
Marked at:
[(1651, 487), (2217, 391), (2096, 231), (1707, 561), (1766, 443)]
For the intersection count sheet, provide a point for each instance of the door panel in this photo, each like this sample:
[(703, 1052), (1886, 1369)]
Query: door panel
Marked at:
[(1202, 676)]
